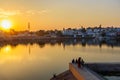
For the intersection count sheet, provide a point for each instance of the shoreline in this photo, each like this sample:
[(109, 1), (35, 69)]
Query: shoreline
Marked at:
[(8, 38), (58, 40)]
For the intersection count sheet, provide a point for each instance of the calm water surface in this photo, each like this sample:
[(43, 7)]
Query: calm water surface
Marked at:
[(40, 62)]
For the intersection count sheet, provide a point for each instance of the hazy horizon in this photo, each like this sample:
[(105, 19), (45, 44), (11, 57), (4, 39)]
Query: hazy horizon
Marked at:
[(59, 14)]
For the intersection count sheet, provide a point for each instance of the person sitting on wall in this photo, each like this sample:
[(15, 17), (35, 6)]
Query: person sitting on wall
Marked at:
[(76, 61), (73, 61), (82, 62), (79, 62)]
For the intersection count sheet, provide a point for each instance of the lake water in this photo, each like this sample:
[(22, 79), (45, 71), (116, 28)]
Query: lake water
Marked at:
[(39, 61)]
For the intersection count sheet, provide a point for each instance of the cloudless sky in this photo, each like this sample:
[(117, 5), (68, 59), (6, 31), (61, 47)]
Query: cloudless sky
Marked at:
[(58, 14)]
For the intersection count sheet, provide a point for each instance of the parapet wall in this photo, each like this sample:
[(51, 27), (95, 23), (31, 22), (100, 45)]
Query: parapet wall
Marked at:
[(75, 72)]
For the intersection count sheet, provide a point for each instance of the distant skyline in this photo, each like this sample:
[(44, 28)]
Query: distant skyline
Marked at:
[(59, 14)]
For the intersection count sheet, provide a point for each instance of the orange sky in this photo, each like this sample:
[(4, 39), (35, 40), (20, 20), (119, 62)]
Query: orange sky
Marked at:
[(58, 14)]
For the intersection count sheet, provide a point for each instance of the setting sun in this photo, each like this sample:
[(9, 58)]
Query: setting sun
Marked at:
[(6, 24)]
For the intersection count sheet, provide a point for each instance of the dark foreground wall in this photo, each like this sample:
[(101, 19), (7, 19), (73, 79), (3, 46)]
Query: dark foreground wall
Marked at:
[(105, 68)]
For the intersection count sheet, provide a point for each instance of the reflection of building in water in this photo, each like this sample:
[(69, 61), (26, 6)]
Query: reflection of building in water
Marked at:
[(63, 46), (29, 49), (91, 42), (65, 42)]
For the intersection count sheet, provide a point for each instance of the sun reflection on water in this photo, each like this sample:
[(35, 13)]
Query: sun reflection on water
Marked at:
[(7, 49)]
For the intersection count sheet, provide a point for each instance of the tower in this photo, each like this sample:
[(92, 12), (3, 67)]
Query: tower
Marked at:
[(100, 26), (28, 26)]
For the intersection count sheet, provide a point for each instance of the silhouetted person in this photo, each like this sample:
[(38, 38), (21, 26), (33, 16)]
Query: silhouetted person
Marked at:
[(76, 61), (79, 59), (73, 61), (79, 62), (82, 63), (54, 75)]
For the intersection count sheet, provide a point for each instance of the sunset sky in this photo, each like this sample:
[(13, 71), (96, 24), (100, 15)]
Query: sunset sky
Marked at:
[(58, 14)]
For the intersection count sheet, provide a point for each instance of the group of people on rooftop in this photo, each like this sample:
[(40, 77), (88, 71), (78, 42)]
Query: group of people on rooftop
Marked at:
[(80, 62)]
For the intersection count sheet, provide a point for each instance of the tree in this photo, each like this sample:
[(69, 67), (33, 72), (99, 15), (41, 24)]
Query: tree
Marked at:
[(40, 32), (83, 30)]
